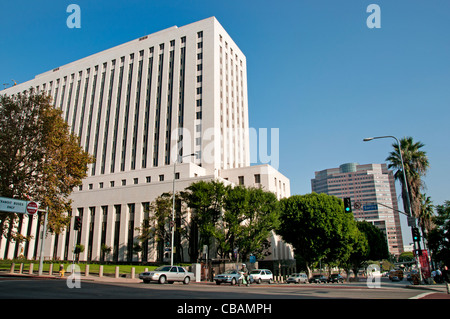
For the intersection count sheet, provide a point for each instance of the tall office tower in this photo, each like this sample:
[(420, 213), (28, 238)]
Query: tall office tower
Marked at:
[(372, 191), (140, 108)]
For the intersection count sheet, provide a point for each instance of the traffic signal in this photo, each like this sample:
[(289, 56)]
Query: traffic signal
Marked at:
[(415, 234), (348, 204), (77, 223)]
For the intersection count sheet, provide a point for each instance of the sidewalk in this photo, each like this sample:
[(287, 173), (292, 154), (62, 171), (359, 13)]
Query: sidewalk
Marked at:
[(439, 288)]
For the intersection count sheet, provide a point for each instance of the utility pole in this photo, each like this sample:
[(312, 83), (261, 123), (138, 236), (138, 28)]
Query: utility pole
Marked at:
[(44, 233)]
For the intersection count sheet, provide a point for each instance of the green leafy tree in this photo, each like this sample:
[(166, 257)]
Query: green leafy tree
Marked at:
[(317, 227), (78, 250), (377, 244), (249, 217), (369, 244), (229, 218), (206, 201), (439, 237), (157, 227), (40, 159), (406, 256), (358, 254)]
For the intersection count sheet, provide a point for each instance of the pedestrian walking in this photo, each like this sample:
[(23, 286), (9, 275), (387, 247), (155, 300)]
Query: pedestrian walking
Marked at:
[(438, 276)]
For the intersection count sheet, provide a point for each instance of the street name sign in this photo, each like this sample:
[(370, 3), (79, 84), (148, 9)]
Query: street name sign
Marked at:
[(18, 206), (370, 207)]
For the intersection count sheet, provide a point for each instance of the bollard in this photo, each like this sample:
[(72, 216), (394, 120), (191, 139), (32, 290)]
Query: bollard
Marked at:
[(133, 272), (30, 271), (117, 272), (12, 268), (21, 268), (50, 270), (86, 270), (100, 271)]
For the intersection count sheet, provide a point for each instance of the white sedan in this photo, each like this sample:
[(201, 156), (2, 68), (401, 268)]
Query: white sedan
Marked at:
[(168, 274), (260, 275)]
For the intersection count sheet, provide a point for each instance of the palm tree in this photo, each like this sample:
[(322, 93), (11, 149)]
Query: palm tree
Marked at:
[(416, 164), (426, 214)]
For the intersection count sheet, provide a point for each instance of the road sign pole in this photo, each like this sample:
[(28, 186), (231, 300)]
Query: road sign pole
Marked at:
[(44, 233)]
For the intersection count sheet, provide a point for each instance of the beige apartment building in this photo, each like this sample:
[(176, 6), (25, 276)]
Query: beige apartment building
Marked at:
[(372, 191)]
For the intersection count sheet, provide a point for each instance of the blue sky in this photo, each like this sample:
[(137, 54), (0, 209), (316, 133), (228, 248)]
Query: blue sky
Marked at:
[(315, 70)]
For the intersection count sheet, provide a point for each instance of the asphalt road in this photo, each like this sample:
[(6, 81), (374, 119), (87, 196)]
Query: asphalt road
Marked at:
[(30, 296), (38, 288)]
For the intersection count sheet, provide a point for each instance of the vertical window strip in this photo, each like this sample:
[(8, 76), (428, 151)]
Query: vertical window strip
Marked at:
[(158, 109), (169, 107), (91, 110), (147, 112), (62, 94), (75, 106), (198, 147), (181, 102), (136, 116), (56, 93), (127, 115), (83, 106), (99, 115), (116, 120), (69, 98), (108, 113)]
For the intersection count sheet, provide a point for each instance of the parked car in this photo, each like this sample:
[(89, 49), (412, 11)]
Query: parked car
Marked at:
[(260, 275), (336, 278), (230, 276), (396, 275), (297, 278), (318, 279), (168, 274)]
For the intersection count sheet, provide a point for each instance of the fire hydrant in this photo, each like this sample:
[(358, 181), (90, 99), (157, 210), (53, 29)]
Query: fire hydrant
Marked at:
[(61, 271)]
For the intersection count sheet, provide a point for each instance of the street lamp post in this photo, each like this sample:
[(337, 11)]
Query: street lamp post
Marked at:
[(173, 205), (408, 202)]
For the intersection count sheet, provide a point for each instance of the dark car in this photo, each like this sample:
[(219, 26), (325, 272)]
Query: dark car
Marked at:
[(336, 278), (318, 279)]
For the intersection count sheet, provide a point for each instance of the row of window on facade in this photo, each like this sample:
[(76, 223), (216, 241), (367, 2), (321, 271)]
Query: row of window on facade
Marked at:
[(123, 182), (122, 60)]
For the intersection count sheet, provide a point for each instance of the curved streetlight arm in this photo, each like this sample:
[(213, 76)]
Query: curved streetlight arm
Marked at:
[(403, 168), (406, 188)]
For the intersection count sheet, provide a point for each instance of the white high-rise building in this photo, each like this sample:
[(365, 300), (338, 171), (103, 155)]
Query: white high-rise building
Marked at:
[(138, 108)]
